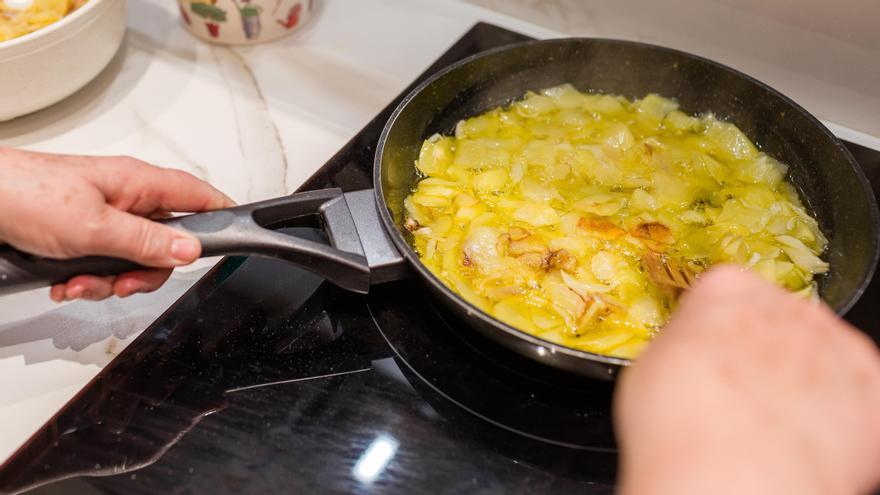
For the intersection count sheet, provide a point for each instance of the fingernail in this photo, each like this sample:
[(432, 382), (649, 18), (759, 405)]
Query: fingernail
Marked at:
[(185, 250)]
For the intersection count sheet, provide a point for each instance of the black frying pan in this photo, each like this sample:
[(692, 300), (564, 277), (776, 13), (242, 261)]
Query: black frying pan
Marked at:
[(367, 240)]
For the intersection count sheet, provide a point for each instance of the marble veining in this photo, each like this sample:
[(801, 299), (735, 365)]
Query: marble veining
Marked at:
[(178, 149), (258, 137)]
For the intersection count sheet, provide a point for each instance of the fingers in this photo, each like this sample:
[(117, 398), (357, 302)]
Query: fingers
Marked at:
[(732, 283), (91, 288), (140, 281), (133, 185), (86, 287), (124, 235), (56, 293), (727, 293)]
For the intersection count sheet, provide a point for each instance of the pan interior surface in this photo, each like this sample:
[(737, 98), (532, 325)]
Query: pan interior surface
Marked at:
[(830, 183)]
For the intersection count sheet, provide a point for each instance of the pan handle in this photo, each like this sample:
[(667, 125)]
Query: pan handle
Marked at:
[(240, 230)]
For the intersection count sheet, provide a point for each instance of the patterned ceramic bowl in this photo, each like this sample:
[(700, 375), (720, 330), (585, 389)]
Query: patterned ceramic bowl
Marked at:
[(238, 22)]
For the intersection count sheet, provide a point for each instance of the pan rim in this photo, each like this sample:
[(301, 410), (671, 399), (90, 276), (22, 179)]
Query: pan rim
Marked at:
[(414, 261)]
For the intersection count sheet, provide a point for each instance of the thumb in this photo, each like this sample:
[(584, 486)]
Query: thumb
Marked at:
[(143, 241)]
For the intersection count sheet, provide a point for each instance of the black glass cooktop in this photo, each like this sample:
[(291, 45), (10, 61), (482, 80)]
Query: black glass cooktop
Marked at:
[(264, 379)]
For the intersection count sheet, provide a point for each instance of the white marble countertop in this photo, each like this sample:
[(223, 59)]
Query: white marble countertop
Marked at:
[(256, 122)]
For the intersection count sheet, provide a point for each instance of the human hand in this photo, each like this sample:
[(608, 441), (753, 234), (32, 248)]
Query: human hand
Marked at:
[(750, 390), (61, 206)]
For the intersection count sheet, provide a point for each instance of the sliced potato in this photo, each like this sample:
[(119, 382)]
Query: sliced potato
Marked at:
[(582, 217)]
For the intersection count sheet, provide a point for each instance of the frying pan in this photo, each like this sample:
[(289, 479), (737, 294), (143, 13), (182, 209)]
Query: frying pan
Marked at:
[(367, 240)]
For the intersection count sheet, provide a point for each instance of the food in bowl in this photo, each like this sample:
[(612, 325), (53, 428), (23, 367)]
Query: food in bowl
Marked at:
[(580, 218), (79, 46), (18, 18)]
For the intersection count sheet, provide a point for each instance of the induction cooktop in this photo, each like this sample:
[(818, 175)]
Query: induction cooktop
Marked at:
[(265, 379)]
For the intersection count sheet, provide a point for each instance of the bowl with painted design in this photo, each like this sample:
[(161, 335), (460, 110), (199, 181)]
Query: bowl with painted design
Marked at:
[(242, 22)]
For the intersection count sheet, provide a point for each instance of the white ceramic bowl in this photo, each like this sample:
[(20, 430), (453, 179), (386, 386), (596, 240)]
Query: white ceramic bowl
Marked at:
[(48, 65)]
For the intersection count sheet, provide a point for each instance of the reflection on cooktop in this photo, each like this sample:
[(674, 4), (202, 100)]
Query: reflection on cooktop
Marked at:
[(372, 427), (191, 362), (308, 399), (265, 379), (476, 375)]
